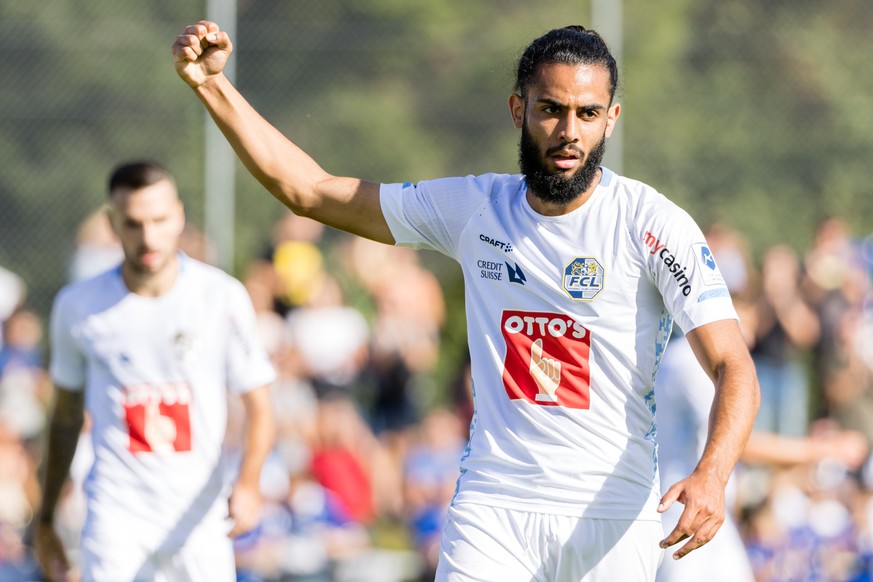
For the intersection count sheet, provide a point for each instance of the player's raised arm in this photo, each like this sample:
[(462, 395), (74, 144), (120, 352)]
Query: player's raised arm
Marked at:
[(292, 176)]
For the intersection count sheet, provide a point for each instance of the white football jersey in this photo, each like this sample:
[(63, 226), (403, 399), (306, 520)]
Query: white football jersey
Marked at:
[(566, 319), (156, 371)]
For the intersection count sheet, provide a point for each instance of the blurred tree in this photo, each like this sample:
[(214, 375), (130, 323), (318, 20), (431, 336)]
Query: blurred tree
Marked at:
[(754, 114)]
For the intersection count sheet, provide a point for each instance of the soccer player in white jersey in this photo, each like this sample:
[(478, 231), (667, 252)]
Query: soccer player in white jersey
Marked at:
[(573, 275), (150, 349)]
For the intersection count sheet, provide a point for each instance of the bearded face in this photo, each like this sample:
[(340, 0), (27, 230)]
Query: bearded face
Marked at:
[(556, 186)]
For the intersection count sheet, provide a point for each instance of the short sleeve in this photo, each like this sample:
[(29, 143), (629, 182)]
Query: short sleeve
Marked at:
[(67, 366), (248, 364), (432, 214), (683, 267)]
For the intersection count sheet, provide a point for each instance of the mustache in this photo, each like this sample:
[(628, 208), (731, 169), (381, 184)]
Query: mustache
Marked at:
[(565, 147)]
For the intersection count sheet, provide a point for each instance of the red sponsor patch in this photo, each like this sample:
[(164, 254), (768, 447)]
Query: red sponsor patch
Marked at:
[(547, 359), (158, 417)]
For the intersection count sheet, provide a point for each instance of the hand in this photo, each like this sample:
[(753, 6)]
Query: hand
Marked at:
[(546, 373), (201, 52), (159, 430), (51, 554), (244, 508), (703, 497)]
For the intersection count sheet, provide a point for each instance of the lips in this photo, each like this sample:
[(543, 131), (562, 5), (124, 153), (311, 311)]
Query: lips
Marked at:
[(565, 156), (566, 160), (149, 257)]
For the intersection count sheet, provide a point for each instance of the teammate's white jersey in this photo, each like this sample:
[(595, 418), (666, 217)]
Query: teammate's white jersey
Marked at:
[(566, 319), (156, 371), (685, 394)]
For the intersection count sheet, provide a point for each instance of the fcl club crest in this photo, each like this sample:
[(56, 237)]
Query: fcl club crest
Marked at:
[(583, 278)]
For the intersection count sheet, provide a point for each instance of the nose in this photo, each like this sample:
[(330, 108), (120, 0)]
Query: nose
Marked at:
[(568, 130), (150, 235)]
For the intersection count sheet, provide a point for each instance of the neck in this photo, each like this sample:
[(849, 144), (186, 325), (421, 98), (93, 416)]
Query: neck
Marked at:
[(150, 284)]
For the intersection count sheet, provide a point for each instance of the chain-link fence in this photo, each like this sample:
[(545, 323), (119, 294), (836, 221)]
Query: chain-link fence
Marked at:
[(758, 114), (754, 115)]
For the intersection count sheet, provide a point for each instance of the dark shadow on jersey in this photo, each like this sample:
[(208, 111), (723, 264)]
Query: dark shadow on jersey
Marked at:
[(634, 406), (191, 519)]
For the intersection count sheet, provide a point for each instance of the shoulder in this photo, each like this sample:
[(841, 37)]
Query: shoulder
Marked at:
[(211, 280), (645, 208), (638, 196), (486, 185), (82, 294), (209, 274)]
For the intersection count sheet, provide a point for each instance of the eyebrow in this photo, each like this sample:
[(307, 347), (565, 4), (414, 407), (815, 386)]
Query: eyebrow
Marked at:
[(586, 108)]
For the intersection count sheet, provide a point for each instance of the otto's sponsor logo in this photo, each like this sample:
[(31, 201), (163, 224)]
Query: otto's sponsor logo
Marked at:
[(504, 246), (583, 278), (158, 417), (170, 393), (547, 359), (680, 273)]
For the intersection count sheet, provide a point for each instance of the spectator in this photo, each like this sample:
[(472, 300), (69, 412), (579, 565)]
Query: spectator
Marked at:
[(430, 474), (734, 261), (331, 340), (848, 377), (25, 389), (97, 248), (343, 458), (19, 499), (293, 262), (12, 294), (787, 329)]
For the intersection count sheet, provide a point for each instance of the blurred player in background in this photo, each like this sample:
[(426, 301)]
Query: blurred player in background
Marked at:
[(149, 349), (684, 394), (573, 276)]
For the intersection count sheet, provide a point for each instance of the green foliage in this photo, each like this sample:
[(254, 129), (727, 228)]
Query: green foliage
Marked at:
[(754, 114), (758, 116)]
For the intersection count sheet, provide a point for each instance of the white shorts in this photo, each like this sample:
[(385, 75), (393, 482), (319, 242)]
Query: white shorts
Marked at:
[(492, 544), (206, 556)]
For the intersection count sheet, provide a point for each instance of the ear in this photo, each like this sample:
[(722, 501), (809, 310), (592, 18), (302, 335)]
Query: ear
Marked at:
[(516, 110), (611, 117), (111, 215), (182, 217)]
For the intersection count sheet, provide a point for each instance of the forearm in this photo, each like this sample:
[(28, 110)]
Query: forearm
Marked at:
[(259, 437), (798, 320), (277, 163), (731, 418), (289, 173), (63, 437)]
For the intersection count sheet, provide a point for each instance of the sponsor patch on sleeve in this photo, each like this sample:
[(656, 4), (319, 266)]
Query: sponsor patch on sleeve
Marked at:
[(706, 265)]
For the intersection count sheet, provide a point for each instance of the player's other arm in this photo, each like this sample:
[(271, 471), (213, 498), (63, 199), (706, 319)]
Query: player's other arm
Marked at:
[(293, 177), (721, 350), (65, 426), (244, 505)]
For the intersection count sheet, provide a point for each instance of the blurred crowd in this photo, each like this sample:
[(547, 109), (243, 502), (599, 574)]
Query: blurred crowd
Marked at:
[(367, 454)]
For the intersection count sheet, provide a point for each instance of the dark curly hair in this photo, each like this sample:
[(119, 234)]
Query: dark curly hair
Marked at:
[(571, 45)]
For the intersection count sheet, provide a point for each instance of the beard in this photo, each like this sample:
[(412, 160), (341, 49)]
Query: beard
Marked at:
[(551, 186)]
